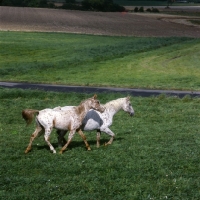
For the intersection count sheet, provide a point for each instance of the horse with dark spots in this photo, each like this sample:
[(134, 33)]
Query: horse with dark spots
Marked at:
[(66, 120), (101, 122)]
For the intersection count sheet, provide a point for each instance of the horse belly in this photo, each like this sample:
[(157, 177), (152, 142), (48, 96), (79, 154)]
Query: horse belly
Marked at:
[(91, 125), (62, 123)]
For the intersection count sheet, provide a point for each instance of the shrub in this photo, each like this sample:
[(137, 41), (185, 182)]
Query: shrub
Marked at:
[(71, 5), (141, 9), (24, 3), (116, 8), (148, 10), (51, 5), (136, 9), (155, 10), (102, 5), (70, 1)]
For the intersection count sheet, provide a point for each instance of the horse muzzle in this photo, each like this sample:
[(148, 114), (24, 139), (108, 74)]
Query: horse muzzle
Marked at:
[(101, 109), (131, 114)]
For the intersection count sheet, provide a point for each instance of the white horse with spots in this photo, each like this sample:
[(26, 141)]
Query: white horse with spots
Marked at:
[(101, 122), (70, 119)]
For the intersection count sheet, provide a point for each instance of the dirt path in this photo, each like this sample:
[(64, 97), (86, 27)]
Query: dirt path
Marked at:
[(124, 24), (97, 90)]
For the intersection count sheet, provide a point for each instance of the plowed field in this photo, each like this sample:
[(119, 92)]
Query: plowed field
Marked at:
[(125, 24)]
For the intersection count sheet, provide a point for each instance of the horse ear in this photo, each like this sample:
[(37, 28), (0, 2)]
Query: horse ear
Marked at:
[(128, 97), (95, 96)]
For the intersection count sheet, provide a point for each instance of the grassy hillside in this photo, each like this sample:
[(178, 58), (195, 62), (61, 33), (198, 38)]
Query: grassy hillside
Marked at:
[(73, 59), (155, 154)]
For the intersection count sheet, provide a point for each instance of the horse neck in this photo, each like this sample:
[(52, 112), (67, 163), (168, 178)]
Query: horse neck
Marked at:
[(113, 106), (82, 110)]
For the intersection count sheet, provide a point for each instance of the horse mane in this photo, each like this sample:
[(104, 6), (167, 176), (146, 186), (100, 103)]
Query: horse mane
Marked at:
[(79, 109), (115, 103)]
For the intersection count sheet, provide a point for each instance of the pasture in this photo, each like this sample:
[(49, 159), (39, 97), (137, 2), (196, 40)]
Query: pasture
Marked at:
[(134, 62), (155, 154)]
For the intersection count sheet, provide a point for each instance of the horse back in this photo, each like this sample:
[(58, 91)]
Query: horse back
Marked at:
[(58, 119)]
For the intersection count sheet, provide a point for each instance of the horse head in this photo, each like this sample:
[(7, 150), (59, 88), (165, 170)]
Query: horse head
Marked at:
[(127, 107), (94, 103)]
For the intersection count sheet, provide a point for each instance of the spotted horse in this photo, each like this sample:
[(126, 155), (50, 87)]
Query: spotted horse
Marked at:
[(101, 122), (66, 120)]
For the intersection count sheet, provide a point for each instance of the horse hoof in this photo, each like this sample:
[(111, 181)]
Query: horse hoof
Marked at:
[(60, 152), (27, 150), (89, 149), (106, 144)]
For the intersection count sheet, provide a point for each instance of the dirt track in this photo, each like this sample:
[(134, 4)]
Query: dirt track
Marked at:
[(126, 24), (97, 90)]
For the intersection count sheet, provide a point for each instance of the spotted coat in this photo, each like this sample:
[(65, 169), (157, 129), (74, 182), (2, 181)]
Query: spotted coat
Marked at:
[(67, 120)]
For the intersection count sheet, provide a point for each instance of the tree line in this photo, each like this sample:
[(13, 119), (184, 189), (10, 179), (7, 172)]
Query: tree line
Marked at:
[(24, 3), (92, 5)]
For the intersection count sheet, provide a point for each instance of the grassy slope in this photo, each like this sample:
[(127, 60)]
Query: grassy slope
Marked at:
[(155, 154), (167, 63)]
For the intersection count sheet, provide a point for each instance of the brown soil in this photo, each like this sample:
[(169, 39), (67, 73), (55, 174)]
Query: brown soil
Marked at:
[(124, 24)]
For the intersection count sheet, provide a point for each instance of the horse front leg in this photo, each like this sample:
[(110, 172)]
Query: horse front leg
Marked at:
[(33, 136), (84, 139), (47, 139), (71, 135), (98, 138), (109, 132)]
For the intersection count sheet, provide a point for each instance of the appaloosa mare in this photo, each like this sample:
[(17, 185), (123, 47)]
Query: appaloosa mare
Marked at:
[(71, 120)]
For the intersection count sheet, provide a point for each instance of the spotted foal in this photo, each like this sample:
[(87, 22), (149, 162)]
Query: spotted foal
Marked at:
[(69, 120)]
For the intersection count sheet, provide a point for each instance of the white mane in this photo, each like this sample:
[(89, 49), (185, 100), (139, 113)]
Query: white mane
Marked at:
[(116, 104)]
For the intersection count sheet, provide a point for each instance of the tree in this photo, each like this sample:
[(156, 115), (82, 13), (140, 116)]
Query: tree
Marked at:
[(70, 1), (102, 5), (25, 3), (170, 2)]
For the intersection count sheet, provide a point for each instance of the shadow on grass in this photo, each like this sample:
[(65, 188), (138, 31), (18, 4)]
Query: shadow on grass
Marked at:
[(75, 144)]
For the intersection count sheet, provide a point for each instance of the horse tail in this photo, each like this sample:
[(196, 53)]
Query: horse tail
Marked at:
[(28, 115)]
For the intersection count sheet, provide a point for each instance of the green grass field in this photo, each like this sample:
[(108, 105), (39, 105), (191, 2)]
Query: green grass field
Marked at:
[(73, 59), (155, 154)]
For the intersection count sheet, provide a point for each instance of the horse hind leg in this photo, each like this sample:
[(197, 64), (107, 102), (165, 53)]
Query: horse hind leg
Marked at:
[(61, 138), (47, 139), (71, 135), (33, 136), (84, 139), (110, 141), (109, 132)]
